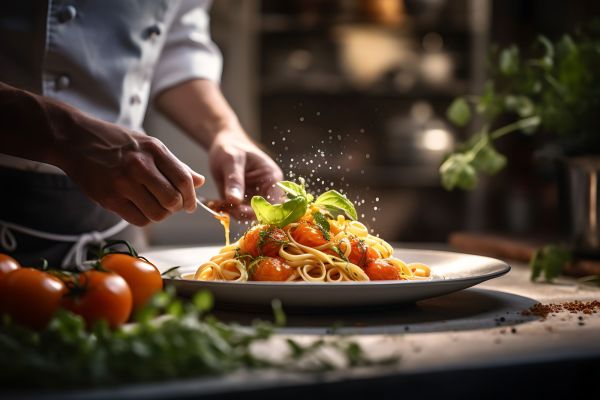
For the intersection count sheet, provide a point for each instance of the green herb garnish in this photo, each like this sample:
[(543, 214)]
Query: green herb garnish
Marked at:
[(322, 224), (339, 252), (279, 214), (298, 201)]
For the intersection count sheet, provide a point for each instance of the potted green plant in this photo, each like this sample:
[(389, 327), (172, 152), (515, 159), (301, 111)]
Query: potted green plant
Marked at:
[(554, 91)]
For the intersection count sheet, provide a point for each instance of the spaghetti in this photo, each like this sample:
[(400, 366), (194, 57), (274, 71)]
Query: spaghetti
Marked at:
[(316, 247)]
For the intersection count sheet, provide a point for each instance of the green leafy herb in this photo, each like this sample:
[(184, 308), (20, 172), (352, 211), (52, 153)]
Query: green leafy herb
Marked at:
[(509, 61), (187, 342), (554, 90), (457, 171), (549, 261), (335, 202), (459, 112), (332, 202), (279, 214), (294, 190), (322, 224), (339, 252), (262, 237)]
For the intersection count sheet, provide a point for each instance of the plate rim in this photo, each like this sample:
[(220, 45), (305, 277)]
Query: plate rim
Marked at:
[(502, 269)]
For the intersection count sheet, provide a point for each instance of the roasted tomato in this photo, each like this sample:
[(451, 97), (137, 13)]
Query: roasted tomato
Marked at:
[(309, 235), (97, 295), (30, 297), (270, 269), (143, 278), (263, 240), (360, 253), (7, 264), (382, 270)]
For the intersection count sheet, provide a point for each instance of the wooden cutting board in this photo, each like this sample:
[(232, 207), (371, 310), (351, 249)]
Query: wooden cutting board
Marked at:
[(507, 248)]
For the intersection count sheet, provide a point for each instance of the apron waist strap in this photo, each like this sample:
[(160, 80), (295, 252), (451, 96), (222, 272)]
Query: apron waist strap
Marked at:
[(77, 253)]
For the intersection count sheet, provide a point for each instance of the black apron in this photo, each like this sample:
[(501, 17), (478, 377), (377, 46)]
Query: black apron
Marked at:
[(52, 203)]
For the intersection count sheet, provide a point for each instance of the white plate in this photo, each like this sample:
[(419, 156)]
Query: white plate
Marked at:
[(451, 272)]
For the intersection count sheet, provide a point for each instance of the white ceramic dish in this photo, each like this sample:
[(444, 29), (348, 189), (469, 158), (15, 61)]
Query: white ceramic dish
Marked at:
[(451, 272)]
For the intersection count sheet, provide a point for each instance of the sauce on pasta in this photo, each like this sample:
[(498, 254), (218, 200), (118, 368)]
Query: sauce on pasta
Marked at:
[(315, 247)]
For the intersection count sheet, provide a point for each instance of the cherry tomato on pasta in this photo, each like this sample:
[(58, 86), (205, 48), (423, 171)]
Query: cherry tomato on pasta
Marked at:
[(360, 253), (271, 269), (143, 278), (309, 235), (263, 240), (7, 264), (100, 295), (382, 270), (30, 296)]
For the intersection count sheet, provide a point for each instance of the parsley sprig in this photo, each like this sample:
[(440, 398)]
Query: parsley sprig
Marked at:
[(186, 342)]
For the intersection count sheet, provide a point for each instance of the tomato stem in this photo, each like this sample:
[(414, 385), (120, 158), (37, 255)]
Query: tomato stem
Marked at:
[(111, 243)]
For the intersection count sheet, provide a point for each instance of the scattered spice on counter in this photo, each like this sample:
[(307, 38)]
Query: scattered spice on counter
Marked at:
[(542, 310)]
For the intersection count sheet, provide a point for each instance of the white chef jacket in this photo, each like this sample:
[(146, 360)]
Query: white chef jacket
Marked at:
[(105, 57)]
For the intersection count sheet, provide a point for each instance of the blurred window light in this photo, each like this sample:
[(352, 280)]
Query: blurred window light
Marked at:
[(436, 139)]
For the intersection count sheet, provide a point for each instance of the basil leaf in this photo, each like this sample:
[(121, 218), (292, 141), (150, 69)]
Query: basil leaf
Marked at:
[(459, 112), (323, 224), (292, 189), (337, 201), (279, 214)]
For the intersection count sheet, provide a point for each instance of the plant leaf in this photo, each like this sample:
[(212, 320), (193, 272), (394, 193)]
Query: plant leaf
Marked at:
[(550, 261), (488, 160), (509, 61), (279, 214), (322, 223), (459, 112), (457, 171), (337, 201), (522, 105), (292, 189)]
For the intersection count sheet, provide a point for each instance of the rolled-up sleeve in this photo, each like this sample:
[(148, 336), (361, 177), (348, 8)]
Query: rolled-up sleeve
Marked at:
[(188, 52)]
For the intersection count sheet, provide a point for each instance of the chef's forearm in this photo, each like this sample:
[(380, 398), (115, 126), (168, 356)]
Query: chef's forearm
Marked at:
[(32, 125), (199, 109)]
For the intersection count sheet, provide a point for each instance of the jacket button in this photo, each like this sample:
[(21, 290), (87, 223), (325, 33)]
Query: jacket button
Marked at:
[(66, 14), (62, 82), (135, 99), (152, 32)]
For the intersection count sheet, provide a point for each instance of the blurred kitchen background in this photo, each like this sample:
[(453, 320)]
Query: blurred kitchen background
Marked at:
[(351, 94)]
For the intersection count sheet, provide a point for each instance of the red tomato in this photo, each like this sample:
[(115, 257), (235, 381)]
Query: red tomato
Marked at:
[(360, 253), (263, 240), (143, 278), (30, 297), (7, 264), (271, 269), (100, 295), (382, 270), (308, 235)]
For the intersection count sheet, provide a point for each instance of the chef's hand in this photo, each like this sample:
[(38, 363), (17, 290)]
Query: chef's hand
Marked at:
[(129, 173), (241, 171)]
